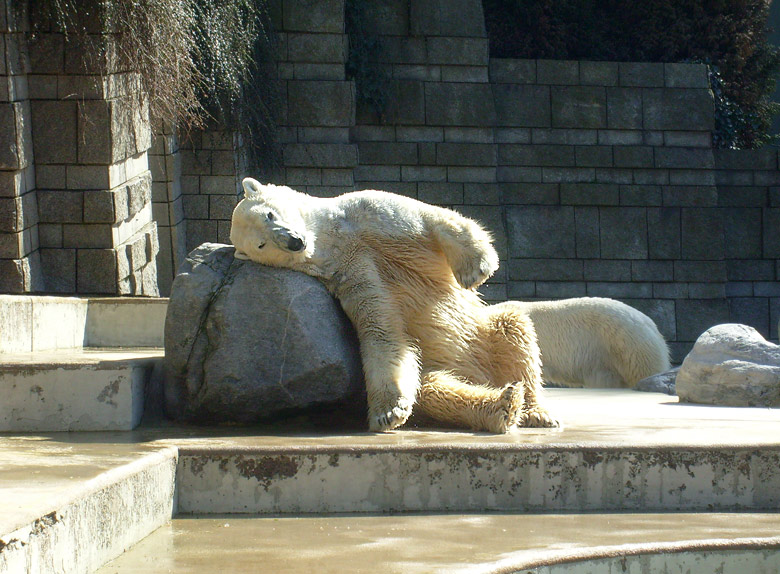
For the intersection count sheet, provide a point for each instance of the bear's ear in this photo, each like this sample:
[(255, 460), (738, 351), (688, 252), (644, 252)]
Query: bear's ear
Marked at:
[(252, 187)]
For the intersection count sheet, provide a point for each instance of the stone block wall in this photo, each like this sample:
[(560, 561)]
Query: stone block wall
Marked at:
[(79, 186), (19, 255), (596, 178)]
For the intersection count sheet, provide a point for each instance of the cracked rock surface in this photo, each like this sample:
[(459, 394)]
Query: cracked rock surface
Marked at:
[(246, 343)]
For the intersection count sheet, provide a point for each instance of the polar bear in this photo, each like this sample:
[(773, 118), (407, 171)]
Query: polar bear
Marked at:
[(595, 342), (404, 273)]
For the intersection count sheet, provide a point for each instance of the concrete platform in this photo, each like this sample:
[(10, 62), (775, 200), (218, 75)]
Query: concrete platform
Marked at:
[(619, 451)]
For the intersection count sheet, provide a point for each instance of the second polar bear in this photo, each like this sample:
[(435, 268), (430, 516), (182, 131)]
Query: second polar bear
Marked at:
[(595, 342), (404, 272)]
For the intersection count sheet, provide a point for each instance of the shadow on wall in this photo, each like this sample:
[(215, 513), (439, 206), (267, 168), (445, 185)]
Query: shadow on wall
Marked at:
[(774, 37)]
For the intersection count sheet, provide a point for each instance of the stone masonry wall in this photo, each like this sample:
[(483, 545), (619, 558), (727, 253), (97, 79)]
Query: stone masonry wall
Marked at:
[(79, 184), (597, 178)]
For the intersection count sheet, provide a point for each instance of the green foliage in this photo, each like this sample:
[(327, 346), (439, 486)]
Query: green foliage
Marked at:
[(729, 34), (198, 60)]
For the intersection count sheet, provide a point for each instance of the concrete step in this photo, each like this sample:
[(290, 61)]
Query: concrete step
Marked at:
[(475, 543), (78, 390)]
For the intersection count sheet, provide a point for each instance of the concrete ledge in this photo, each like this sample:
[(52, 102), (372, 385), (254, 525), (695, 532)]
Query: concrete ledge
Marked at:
[(75, 391), (41, 323), (85, 528)]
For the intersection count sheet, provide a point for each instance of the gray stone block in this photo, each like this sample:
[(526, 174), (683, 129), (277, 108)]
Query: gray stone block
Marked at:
[(599, 73), (87, 177), (771, 225), (606, 270), (377, 173), (387, 153), (545, 270), (687, 139), (541, 232), (388, 17), (560, 289), (587, 232), (589, 194), (320, 103), (593, 156), (578, 107), (568, 174), (634, 156), (651, 177), (557, 72), (686, 158), (641, 74), (623, 232), (621, 137), (750, 270), (54, 129), (745, 159), (641, 195), (619, 290), (96, 271), (702, 233), (512, 135), (470, 74), (221, 206), (481, 193), (519, 174), (683, 75), (326, 16), (742, 233), (614, 175), (663, 232), (519, 105), (706, 290), (139, 193), (423, 173), (447, 18), (99, 207), (511, 71), (652, 270), (466, 154), (530, 193), (678, 109), (700, 271), (459, 51), (440, 193), (60, 206), (318, 48), (59, 267), (320, 155), (690, 196), (91, 236), (570, 136), (308, 71), (536, 155), (458, 104), (471, 174), (221, 368), (196, 206), (406, 106), (409, 50), (95, 133)]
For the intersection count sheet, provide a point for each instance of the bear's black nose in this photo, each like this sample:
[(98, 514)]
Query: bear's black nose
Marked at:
[(295, 244)]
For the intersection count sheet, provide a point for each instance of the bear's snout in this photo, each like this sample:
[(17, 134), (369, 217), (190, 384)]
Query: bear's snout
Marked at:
[(295, 243)]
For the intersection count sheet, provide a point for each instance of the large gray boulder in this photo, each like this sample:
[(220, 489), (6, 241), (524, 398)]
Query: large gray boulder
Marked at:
[(246, 343), (731, 364)]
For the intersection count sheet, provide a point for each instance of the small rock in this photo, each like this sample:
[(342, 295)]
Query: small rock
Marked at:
[(660, 383), (731, 364), (245, 343)]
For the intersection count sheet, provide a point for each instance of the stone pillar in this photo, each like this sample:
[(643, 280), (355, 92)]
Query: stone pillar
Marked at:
[(91, 135), (167, 206), (19, 258)]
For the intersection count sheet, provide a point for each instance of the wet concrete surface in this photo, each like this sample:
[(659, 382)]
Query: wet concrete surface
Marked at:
[(424, 544)]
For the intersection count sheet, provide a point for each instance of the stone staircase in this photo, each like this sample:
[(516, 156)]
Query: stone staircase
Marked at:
[(73, 364), (632, 482)]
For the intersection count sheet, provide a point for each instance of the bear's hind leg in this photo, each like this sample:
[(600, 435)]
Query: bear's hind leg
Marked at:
[(512, 337), (449, 399)]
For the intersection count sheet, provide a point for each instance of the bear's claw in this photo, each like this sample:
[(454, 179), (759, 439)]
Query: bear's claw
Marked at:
[(391, 419), (537, 417)]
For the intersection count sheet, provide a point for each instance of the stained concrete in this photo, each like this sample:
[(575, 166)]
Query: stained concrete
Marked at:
[(451, 543), (618, 449)]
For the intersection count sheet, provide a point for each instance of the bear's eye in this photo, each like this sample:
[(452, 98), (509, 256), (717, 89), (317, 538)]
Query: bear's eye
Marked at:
[(261, 245), (270, 216)]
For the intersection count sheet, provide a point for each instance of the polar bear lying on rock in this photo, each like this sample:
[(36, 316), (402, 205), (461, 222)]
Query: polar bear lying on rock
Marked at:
[(404, 272)]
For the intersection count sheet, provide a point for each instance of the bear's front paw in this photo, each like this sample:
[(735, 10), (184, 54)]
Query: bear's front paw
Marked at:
[(388, 419), (476, 271), (538, 417)]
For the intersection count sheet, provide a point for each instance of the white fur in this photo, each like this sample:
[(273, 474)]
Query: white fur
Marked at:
[(596, 342)]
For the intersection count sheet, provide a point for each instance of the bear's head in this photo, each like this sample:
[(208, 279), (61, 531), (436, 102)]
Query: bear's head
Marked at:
[(267, 225)]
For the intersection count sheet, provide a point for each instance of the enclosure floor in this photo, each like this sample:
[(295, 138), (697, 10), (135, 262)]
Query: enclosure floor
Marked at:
[(39, 471), (421, 544)]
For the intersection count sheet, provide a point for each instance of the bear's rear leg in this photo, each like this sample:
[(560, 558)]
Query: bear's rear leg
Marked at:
[(447, 398)]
